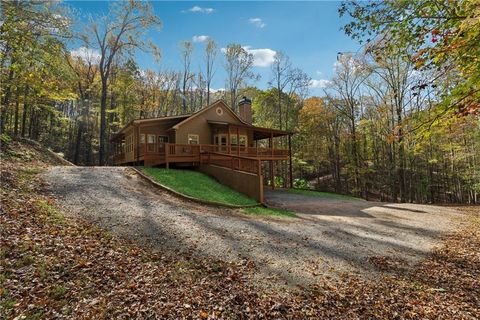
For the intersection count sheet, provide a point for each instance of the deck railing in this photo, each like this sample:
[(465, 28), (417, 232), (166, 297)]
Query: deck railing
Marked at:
[(230, 161), (195, 149), (172, 152)]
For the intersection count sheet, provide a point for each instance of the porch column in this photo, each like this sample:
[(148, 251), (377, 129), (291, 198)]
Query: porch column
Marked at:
[(228, 139), (137, 145), (272, 178), (270, 143), (290, 160), (238, 143), (167, 151)]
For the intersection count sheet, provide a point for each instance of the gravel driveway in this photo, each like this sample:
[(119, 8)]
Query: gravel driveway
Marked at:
[(339, 236)]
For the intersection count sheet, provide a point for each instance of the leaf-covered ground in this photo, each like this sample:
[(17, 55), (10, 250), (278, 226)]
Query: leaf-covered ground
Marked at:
[(54, 267)]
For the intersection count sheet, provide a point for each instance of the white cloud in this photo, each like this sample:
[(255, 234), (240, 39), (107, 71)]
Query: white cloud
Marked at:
[(319, 84), (261, 57), (212, 90), (86, 54), (197, 9), (257, 22), (201, 38)]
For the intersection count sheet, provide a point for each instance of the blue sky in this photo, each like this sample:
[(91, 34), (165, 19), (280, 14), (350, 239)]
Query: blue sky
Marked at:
[(308, 32)]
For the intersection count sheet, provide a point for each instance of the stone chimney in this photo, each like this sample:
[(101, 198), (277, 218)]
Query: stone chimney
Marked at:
[(245, 110)]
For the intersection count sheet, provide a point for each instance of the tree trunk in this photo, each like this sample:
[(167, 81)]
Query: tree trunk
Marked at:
[(25, 110), (78, 142), (103, 124), (6, 100), (17, 102), (401, 158)]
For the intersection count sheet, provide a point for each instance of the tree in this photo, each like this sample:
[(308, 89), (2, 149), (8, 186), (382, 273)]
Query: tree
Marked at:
[(281, 68), (85, 67), (119, 33), (443, 35), (238, 65), (209, 57), (186, 56), (350, 74), (31, 34), (319, 127)]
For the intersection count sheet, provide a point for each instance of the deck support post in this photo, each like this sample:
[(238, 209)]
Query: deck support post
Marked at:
[(272, 178), (290, 160), (167, 150)]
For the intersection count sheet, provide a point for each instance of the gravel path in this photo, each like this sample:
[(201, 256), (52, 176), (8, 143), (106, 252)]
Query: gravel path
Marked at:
[(338, 236)]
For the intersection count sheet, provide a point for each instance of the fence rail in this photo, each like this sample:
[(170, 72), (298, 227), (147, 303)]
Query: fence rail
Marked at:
[(173, 152), (239, 163)]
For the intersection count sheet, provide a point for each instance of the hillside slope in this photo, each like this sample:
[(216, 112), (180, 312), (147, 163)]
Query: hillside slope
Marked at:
[(26, 150)]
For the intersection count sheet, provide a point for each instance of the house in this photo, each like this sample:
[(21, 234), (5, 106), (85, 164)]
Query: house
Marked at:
[(215, 140)]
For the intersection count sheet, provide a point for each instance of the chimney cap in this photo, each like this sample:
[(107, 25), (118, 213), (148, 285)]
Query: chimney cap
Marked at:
[(244, 100)]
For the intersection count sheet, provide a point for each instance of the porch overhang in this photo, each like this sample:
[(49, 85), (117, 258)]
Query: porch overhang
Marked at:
[(259, 133)]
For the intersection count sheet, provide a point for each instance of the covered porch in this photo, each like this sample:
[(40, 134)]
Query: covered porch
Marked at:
[(239, 147)]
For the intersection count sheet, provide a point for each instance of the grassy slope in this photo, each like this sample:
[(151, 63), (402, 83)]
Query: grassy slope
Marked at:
[(325, 195), (262, 211), (198, 185)]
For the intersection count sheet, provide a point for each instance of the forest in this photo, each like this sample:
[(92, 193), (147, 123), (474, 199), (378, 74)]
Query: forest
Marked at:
[(398, 121)]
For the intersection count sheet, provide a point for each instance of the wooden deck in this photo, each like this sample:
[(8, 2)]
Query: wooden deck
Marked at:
[(247, 159)]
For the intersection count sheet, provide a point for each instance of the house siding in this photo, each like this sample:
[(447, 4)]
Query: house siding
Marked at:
[(199, 125)]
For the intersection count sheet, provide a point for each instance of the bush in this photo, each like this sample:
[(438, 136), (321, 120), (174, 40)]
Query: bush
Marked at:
[(278, 181), (5, 138), (300, 184)]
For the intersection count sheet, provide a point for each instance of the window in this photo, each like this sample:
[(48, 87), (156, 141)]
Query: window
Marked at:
[(243, 140), (151, 138), (193, 139), (162, 139), (220, 139), (223, 139), (129, 143), (233, 139), (142, 138)]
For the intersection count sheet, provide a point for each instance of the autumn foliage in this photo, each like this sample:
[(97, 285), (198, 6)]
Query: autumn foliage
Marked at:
[(55, 267)]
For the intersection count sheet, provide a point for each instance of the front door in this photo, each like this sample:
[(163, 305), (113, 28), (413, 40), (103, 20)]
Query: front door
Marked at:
[(161, 143), (221, 141)]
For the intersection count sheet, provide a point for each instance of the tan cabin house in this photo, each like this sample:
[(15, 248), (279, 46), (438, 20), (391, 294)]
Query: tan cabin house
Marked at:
[(214, 140)]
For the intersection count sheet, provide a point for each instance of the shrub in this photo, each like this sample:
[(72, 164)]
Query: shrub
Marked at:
[(300, 184)]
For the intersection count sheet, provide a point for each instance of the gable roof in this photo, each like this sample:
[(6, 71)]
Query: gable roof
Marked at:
[(216, 103), (184, 118), (135, 121)]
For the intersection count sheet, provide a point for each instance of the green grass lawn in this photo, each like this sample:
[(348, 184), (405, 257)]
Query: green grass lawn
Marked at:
[(198, 185), (262, 211), (325, 195)]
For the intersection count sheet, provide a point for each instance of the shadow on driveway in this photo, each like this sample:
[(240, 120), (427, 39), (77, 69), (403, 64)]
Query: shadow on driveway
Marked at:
[(312, 205)]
